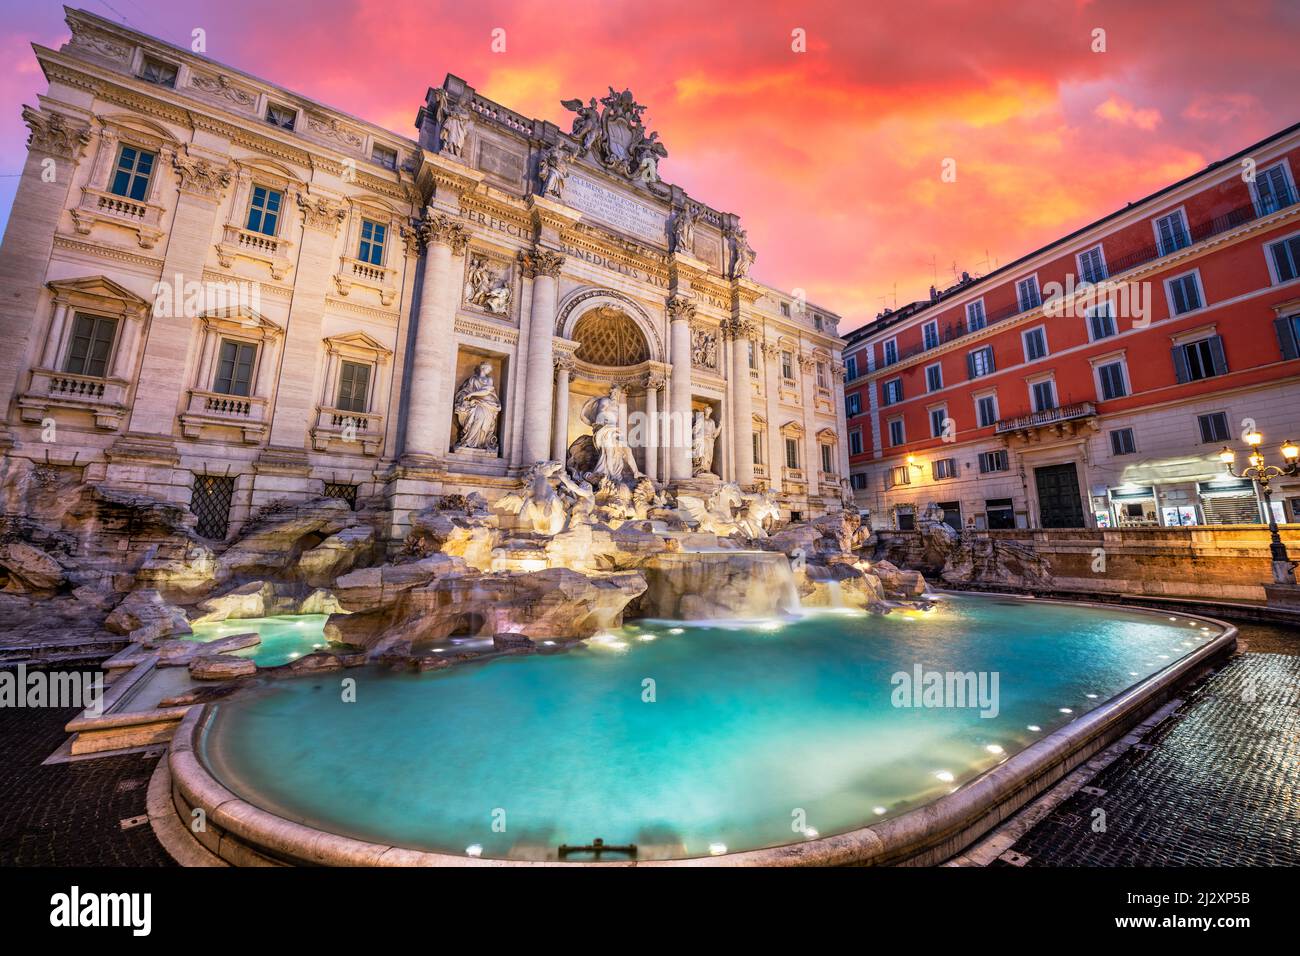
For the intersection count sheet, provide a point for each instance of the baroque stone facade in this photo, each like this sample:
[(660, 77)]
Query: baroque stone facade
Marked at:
[(223, 294)]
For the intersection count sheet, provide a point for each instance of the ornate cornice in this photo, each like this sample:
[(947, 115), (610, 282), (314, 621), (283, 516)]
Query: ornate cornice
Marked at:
[(201, 177), (52, 134), (541, 262), (679, 307), (320, 213), (442, 230)]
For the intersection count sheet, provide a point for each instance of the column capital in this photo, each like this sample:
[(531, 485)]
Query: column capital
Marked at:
[(541, 262), (321, 213), (51, 133), (441, 229), (680, 307), (655, 381), (740, 329), (565, 362), (202, 177)]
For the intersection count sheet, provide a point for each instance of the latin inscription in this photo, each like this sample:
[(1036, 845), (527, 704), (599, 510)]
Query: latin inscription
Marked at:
[(615, 209)]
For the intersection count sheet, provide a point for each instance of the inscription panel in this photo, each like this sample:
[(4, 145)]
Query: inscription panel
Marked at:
[(615, 209)]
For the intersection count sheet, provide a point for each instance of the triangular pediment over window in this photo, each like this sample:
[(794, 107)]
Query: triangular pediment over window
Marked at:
[(87, 289)]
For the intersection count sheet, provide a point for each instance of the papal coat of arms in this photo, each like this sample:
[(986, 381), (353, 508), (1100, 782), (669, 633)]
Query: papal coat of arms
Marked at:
[(612, 133)]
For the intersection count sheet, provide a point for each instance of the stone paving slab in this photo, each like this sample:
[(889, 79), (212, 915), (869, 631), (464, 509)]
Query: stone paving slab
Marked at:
[(1213, 785), (70, 814)]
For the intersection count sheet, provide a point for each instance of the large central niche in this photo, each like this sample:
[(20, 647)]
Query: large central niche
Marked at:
[(608, 336)]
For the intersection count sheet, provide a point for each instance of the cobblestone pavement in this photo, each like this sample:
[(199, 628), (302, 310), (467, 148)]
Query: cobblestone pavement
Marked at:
[(69, 814), (1213, 785)]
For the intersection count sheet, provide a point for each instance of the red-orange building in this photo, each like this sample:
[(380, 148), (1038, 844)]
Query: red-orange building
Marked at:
[(1095, 380)]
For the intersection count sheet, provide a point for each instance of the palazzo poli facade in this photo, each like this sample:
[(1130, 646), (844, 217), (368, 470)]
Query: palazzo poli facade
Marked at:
[(223, 294)]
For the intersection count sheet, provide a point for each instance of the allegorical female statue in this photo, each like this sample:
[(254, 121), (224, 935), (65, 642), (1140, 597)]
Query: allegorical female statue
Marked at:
[(616, 457), (477, 408), (703, 433)]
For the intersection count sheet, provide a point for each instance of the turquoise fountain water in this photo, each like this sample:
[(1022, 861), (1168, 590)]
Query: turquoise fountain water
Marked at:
[(685, 740), (284, 638)]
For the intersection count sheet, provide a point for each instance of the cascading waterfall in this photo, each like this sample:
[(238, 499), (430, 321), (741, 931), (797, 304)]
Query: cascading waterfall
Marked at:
[(722, 584)]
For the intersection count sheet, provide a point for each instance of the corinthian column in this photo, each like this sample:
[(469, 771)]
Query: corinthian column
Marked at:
[(742, 396), (560, 428), (653, 383), (544, 266), (433, 361), (680, 312)]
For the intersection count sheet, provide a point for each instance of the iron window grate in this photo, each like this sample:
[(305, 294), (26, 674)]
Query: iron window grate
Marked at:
[(343, 492), (210, 503)]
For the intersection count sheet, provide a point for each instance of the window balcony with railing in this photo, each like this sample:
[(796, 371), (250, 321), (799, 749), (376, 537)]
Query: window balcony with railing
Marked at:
[(1062, 420), (214, 410), (98, 206), (237, 242), (355, 272), (344, 430), (104, 398)]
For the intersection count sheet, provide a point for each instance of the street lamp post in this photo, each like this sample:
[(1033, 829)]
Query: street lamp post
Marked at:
[(1262, 473)]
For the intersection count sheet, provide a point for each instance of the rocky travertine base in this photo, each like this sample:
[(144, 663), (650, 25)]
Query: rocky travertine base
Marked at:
[(133, 567)]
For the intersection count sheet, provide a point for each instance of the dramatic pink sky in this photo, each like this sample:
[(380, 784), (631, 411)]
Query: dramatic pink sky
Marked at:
[(832, 156)]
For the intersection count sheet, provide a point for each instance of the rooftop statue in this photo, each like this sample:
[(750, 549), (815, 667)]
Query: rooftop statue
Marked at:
[(614, 136)]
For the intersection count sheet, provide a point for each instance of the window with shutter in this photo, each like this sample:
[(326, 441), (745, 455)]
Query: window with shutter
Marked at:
[(938, 417), (235, 368), (1286, 258), (1184, 294), (1035, 341), (1288, 335), (1272, 190), (1092, 267), (1111, 377), (1044, 396), (1027, 294), (1101, 321), (1171, 230), (975, 315), (1121, 442), (791, 453), (91, 346), (987, 410), (930, 335), (896, 436), (980, 362), (1194, 361), (1214, 427), (354, 387)]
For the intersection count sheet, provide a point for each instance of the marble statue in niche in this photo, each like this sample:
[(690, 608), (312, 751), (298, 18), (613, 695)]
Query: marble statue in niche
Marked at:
[(477, 407), (486, 287), (704, 431)]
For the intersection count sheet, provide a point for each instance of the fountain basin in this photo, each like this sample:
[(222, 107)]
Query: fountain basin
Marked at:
[(796, 717)]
